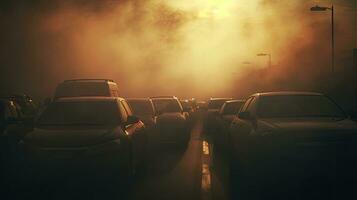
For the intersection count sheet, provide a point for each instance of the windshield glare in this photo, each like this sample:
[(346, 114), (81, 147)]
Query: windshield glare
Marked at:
[(297, 106), (80, 113), (141, 107), (167, 105)]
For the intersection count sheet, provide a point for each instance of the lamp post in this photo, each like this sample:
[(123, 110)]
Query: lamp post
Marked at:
[(266, 54), (321, 9)]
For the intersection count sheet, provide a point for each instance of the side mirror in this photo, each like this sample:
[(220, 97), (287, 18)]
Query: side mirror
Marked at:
[(133, 119), (245, 115)]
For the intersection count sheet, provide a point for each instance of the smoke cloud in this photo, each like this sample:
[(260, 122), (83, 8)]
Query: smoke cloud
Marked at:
[(188, 48)]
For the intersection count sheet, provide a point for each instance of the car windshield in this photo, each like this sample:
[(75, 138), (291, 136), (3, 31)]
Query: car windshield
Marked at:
[(216, 104), (232, 108), (80, 113), (141, 107), (77, 89), (167, 105), (297, 106)]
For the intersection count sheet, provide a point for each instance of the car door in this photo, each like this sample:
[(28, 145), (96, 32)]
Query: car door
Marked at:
[(137, 134), (241, 128)]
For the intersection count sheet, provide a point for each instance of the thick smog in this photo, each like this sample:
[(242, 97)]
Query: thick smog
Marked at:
[(178, 99)]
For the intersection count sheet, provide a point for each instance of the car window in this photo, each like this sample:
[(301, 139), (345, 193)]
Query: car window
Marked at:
[(244, 108), (251, 104), (127, 108), (80, 113), (297, 106), (141, 107), (167, 105), (123, 112), (232, 108)]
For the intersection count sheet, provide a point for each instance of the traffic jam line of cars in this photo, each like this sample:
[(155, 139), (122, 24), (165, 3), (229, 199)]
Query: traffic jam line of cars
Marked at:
[(286, 144), (269, 139), (88, 127)]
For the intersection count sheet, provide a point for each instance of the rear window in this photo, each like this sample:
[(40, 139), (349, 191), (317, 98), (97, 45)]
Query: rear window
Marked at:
[(141, 107), (297, 106), (81, 113), (167, 105), (77, 89)]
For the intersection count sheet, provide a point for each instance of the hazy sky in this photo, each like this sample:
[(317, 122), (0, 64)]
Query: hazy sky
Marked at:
[(179, 47)]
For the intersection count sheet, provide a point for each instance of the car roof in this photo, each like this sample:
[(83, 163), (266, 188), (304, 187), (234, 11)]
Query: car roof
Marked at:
[(235, 101), (220, 98), (164, 97), (285, 93), (76, 99), (88, 80), (138, 99)]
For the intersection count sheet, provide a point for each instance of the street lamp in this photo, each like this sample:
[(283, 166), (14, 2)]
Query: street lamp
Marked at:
[(266, 54), (322, 9)]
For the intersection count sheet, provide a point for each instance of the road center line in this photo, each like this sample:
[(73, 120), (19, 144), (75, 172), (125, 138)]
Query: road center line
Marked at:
[(206, 174)]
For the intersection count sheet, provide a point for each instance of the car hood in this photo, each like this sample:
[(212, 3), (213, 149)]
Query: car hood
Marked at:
[(69, 137), (307, 124)]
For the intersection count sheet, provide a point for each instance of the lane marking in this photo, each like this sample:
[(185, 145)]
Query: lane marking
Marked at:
[(205, 148), (206, 184)]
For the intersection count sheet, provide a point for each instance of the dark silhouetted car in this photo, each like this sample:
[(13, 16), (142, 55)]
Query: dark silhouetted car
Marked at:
[(286, 138), (26, 106), (94, 134), (172, 125), (87, 87), (12, 130), (26, 103), (228, 111), (213, 107)]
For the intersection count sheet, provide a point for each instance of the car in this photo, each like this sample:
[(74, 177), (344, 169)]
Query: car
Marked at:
[(12, 120), (213, 107), (172, 124), (86, 134), (222, 123), (27, 104), (87, 87), (27, 107), (12, 130), (201, 106), (290, 135)]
